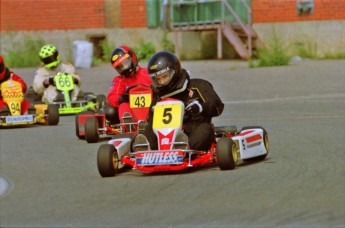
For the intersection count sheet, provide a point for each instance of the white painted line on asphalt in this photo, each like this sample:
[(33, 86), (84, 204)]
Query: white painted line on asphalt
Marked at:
[(282, 99), (4, 185), (280, 118)]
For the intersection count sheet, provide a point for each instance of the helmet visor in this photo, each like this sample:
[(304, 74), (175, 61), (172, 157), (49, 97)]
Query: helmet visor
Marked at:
[(51, 61), (162, 77), (122, 64)]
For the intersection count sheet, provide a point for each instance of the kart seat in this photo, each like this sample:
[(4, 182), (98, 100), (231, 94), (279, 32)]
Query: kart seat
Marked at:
[(181, 141)]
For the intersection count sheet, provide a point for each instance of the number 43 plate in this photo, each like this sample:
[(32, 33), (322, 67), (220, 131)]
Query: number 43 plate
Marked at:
[(140, 100)]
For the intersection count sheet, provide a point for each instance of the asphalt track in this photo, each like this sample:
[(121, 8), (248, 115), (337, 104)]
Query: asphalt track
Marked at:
[(49, 178)]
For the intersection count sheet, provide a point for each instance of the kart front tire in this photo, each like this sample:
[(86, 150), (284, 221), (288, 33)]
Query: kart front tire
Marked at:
[(77, 123), (107, 160), (226, 153), (91, 130), (53, 114)]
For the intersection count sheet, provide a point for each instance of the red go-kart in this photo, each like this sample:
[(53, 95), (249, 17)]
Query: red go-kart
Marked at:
[(228, 148), (91, 126)]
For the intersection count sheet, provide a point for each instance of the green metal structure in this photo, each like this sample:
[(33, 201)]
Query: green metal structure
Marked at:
[(230, 17)]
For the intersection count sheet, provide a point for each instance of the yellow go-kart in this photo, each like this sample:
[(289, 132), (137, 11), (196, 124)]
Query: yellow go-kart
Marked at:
[(11, 113)]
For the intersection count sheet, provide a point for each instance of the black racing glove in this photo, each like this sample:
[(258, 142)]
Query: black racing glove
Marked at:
[(194, 108), (75, 81), (48, 81), (124, 98)]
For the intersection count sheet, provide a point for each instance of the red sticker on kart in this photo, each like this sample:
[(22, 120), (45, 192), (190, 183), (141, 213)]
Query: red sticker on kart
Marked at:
[(159, 158), (253, 138), (246, 133), (116, 143)]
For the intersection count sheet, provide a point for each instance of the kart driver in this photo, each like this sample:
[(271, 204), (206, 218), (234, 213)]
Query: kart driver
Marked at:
[(201, 102), (6, 74), (43, 83), (125, 62)]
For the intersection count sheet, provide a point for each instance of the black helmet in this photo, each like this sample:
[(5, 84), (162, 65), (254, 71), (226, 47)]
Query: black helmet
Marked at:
[(166, 74), (124, 60)]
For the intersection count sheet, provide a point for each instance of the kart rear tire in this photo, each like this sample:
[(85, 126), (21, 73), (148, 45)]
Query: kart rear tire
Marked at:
[(77, 123), (266, 142), (226, 153), (32, 110), (91, 130), (53, 114), (107, 160), (101, 102)]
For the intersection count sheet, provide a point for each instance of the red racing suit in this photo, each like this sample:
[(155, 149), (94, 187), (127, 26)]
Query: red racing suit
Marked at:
[(11, 75), (119, 86)]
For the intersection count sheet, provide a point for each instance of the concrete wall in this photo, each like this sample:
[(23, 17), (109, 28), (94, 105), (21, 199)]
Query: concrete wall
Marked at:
[(325, 36), (63, 39)]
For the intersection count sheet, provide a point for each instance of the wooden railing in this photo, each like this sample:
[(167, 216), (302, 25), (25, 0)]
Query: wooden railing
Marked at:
[(238, 20)]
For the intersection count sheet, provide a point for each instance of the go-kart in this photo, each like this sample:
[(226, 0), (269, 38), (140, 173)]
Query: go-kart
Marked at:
[(11, 113), (227, 149), (64, 84), (92, 126)]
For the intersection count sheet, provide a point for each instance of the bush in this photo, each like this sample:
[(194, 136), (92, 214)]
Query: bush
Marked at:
[(24, 54), (334, 55), (106, 50), (166, 43), (145, 51), (275, 54), (307, 50)]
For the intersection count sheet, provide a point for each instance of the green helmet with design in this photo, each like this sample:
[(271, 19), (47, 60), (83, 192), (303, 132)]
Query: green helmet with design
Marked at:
[(49, 55)]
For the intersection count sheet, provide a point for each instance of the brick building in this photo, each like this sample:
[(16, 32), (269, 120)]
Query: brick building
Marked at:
[(89, 14), (114, 18), (268, 11)]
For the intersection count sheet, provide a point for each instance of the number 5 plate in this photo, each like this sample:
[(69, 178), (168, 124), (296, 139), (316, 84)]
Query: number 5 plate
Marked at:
[(167, 116)]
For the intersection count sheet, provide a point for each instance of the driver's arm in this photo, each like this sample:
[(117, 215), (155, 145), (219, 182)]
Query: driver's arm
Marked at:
[(118, 87)]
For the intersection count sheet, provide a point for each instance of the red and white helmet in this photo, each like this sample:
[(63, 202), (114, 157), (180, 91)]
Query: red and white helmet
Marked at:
[(124, 60)]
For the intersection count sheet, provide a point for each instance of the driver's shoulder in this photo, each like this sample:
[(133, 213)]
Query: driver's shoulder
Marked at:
[(42, 71), (199, 82), (67, 67)]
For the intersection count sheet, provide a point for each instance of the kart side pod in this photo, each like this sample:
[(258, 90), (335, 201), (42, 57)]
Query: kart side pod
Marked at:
[(251, 143), (122, 145)]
